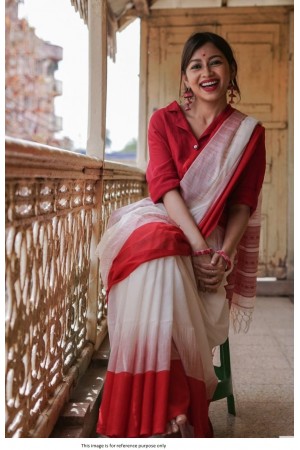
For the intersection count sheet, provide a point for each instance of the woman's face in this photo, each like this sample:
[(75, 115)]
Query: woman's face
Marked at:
[(208, 74)]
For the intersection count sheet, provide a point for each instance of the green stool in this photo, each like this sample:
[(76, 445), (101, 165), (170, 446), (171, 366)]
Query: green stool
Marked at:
[(223, 372)]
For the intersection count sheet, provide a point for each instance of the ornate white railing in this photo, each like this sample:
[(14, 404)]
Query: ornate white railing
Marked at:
[(57, 206)]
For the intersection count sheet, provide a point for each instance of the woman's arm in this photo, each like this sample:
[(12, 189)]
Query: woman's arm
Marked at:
[(209, 271), (180, 214), (238, 218)]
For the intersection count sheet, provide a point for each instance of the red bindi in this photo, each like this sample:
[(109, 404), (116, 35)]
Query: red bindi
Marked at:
[(203, 54)]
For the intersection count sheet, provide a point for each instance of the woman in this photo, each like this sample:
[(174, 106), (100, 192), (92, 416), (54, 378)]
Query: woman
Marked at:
[(165, 261)]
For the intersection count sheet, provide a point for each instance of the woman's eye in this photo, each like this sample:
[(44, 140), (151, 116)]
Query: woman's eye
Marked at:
[(215, 62), (196, 66)]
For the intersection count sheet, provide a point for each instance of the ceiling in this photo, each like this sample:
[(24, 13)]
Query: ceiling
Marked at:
[(122, 12)]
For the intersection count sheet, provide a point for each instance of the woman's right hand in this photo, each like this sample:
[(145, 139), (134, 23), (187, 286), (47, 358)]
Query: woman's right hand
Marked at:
[(199, 262), (208, 276)]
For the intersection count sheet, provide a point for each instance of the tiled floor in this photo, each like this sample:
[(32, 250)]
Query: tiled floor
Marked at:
[(262, 371)]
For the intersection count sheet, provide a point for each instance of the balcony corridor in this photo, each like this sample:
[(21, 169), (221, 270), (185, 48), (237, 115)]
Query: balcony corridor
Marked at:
[(262, 371), (262, 363)]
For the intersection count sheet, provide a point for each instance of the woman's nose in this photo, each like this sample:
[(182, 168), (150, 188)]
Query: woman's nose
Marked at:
[(206, 69)]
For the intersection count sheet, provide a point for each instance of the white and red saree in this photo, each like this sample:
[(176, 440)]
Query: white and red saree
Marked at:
[(162, 330)]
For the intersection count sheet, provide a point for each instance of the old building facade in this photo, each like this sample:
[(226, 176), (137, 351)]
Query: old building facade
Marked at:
[(31, 86)]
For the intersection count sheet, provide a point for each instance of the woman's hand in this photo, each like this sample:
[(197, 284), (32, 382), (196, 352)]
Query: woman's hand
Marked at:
[(209, 271)]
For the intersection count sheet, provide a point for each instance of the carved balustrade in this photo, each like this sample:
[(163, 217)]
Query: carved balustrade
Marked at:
[(57, 207)]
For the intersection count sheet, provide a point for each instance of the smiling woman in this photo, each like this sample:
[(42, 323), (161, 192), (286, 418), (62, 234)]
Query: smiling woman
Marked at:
[(214, 58), (167, 261)]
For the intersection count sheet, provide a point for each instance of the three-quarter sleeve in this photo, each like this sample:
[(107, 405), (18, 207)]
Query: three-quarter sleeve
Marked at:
[(248, 187), (161, 174)]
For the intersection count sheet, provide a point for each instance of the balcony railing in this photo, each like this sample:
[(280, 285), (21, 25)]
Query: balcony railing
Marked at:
[(57, 207)]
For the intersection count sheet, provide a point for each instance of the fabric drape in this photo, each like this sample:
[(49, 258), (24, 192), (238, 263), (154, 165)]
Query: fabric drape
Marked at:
[(162, 330)]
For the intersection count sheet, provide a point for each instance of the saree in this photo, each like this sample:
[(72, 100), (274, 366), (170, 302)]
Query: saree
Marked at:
[(162, 329)]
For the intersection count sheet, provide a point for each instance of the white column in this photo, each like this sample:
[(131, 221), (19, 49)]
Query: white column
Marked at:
[(97, 24), (97, 20), (142, 151)]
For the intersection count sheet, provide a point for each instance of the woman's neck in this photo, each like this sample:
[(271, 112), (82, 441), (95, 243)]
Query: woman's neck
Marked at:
[(205, 113), (202, 115)]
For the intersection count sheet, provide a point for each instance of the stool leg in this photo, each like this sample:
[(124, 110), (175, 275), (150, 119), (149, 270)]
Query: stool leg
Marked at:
[(231, 405)]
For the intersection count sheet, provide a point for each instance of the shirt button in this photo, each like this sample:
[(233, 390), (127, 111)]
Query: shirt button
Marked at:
[(195, 146)]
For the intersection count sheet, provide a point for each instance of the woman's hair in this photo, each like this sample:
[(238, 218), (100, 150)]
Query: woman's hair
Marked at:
[(197, 40)]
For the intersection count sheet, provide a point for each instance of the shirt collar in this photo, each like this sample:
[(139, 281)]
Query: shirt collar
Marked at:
[(181, 121), (178, 118)]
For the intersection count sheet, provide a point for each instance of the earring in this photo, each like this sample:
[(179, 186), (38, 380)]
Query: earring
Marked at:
[(231, 92), (188, 95)]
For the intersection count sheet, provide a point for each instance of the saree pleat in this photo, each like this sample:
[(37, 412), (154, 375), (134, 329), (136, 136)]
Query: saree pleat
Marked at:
[(147, 317)]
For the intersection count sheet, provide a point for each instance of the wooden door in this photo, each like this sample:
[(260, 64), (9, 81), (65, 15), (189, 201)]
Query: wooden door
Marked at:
[(260, 43), (261, 50)]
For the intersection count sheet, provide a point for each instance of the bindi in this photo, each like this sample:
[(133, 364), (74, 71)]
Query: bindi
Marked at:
[(203, 54)]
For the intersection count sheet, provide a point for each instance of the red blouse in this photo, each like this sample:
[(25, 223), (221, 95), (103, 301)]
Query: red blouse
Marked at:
[(173, 147)]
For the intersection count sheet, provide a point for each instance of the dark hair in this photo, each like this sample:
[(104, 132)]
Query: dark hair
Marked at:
[(196, 41)]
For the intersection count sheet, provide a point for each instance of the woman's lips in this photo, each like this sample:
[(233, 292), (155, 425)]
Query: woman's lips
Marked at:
[(209, 85)]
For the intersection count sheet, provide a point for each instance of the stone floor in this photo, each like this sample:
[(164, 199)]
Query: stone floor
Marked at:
[(262, 364)]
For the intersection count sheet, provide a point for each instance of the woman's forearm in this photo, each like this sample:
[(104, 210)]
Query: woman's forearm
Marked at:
[(236, 226), (179, 213)]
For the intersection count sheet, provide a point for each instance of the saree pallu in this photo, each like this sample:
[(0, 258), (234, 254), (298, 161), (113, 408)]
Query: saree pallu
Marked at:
[(162, 329)]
